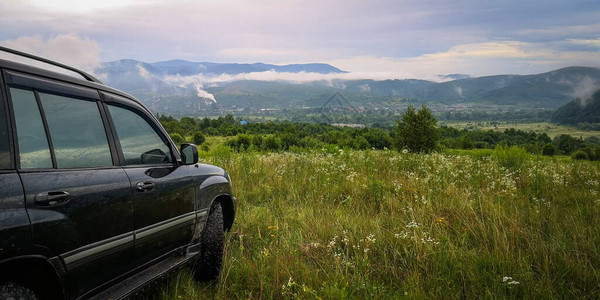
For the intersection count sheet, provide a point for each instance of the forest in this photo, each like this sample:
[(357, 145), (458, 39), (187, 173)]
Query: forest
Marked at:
[(284, 135)]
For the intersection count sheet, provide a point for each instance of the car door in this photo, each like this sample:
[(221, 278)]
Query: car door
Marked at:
[(14, 223), (163, 190), (78, 199)]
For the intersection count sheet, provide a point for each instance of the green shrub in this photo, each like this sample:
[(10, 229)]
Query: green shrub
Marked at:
[(511, 158), (579, 155), (177, 138), (199, 138), (549, 149), (271, 143)]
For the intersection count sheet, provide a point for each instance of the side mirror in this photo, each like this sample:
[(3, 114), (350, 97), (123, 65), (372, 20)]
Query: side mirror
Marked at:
[(189, 154)]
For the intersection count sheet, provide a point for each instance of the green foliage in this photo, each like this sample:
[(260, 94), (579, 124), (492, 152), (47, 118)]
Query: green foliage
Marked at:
[(199, 138), (177, 138), (579, 155), (511, 158), (566, 144), (285, 135), (378, 138), (549, 150), (271, 143), (417, 131), (240, 143)]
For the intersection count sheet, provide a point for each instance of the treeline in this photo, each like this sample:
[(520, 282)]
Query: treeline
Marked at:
[(282, 136)]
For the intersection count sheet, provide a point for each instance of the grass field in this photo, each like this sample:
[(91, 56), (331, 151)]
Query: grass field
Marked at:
[(550, 129), (386, 225)]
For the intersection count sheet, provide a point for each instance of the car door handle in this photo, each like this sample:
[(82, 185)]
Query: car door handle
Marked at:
[(144, 186), (52, 198)]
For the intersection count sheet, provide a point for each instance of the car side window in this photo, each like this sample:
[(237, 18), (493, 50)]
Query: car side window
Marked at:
[(77, 132), (34, 151), (140, 142)]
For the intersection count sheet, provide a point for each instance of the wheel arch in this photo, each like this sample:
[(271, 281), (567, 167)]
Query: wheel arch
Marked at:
[(228, 205), (218, 188), (36, 273)]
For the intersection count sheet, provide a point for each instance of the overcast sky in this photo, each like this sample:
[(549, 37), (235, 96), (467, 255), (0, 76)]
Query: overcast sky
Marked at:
[(369, 38)]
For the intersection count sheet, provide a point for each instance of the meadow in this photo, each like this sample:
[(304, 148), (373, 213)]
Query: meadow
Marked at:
[(346, 224), (551, 129)]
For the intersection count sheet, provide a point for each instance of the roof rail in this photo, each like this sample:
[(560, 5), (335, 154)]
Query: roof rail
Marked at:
[(85, 75)]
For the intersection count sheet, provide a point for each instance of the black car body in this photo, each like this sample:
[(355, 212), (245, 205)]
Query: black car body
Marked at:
[(95, 199)]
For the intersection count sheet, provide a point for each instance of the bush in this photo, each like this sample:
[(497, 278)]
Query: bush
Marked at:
[(199, 138), (240, 143), (271, 143), (378, 138), (549, 150), (177, 138), (360, 143), (579, 155), (511, 158)]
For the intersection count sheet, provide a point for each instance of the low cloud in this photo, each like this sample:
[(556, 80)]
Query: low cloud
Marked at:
[(330, 79), (142, 71), (196, 82), (584, 89)]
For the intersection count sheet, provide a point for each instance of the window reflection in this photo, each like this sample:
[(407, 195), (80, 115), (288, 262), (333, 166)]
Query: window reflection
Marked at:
[(141, 144)]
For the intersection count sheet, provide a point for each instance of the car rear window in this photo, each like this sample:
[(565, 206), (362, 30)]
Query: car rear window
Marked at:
[(77, 135), (77, 132)]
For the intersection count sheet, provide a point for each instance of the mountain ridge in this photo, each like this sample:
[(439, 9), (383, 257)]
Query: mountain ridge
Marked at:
[(164, 84)]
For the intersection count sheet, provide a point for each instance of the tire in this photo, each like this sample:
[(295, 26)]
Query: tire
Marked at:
[(209, 264), (11, 291)]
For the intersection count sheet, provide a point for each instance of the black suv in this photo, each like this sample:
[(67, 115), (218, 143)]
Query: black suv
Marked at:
[(95, 199)]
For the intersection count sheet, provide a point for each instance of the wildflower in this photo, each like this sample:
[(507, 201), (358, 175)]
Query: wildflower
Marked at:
[(441, 219), (331, 244), (509, 280), (412, 224), (371, 238), (265, 252), (272, 227), (402, 235)]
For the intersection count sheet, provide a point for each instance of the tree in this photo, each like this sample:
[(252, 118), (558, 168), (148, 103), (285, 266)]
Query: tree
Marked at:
[(549, 149), (567, 144), (417, 130)]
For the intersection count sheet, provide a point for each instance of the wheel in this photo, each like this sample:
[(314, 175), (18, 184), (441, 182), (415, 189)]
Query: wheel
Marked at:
[(12, 291), (209, 264)]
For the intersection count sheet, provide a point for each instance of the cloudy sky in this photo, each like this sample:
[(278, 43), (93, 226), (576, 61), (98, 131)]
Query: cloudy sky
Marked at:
[(370, 38)]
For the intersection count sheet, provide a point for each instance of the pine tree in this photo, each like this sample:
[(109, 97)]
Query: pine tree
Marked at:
[(417, 130)]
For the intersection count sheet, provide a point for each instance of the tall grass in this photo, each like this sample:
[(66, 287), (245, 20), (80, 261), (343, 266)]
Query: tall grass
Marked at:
[(383, 224)]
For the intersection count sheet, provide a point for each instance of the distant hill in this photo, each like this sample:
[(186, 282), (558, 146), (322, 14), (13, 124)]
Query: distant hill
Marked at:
[(180, 86), (579, 111), (551, 89)]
